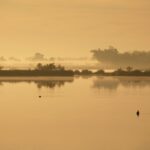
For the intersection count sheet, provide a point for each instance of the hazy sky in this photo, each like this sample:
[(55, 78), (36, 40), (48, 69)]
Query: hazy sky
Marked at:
[(72, 27)]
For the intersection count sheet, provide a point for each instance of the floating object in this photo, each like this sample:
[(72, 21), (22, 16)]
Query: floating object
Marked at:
[(138, 113)]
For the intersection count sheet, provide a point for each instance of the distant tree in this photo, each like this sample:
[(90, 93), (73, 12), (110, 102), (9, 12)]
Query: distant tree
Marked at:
[(86, 72), (59, 67), (1, 67), (119, 71), (77, 72), (39, 66), (101, 72), (129, 69), (137, 72), (49, 67)]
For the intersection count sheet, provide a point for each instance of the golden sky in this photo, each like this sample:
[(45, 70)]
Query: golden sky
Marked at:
[(72, 27)]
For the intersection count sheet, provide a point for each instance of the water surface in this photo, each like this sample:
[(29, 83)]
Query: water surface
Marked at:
[(85, 113)]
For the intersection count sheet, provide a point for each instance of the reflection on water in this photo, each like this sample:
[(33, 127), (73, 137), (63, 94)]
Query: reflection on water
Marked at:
[(40, 82), (113, 83), (51, 84), (76, 116), (108, 83)]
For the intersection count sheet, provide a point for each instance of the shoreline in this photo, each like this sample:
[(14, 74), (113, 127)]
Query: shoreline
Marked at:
[(65, 77)]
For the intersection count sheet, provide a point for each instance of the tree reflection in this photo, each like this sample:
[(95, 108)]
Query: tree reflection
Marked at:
[(112, 83), (51, 84)]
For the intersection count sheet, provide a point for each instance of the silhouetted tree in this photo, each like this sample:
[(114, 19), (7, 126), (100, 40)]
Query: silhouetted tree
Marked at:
[(100, 72), (129, 69), (47, 67), (86, 72), (1, 67), (119, 72), (39, 66), (77, 72), (59, 67)]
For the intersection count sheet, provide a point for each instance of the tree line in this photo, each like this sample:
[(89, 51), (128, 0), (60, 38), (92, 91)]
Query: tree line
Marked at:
[(59, 70)]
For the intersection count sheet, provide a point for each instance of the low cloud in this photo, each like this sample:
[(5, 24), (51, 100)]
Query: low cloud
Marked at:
[(14, 59), (2, 58), (37, 57), (41, 57), (112, 58)]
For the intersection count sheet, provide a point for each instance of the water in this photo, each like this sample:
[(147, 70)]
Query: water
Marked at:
[(86, 113)]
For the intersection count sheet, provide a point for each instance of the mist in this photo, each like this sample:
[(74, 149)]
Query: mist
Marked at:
[(37, 57), (111, 58), (31, 61)]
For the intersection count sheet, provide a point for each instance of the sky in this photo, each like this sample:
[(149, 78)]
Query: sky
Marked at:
[(67, 28)]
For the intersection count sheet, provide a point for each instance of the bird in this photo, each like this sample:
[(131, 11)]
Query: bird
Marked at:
[(138, 113)]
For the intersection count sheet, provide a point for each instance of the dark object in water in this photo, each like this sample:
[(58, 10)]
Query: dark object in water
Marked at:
[(138, 113), (40, 96)]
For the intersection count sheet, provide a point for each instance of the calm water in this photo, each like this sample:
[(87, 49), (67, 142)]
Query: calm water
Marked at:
[(97, 113)]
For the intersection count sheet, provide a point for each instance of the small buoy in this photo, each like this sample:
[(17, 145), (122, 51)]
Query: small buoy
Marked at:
[(40, 96), (138, 113)]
